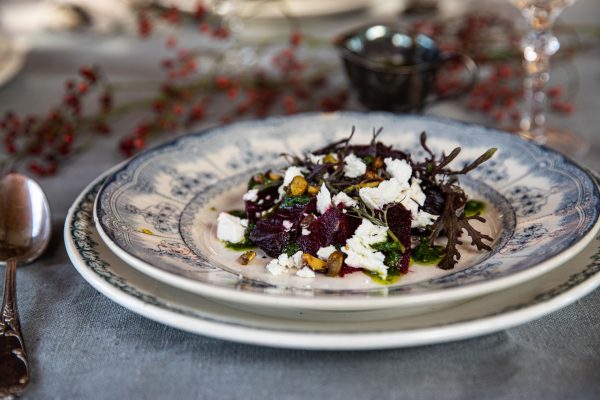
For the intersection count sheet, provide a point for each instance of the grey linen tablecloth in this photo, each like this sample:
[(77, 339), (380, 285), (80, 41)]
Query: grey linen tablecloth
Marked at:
[(84, 346)]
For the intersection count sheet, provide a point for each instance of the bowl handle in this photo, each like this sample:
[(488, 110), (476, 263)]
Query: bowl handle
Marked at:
[(472, 69)]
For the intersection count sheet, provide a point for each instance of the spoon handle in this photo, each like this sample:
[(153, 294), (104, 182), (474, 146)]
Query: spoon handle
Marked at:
[(14, 368)]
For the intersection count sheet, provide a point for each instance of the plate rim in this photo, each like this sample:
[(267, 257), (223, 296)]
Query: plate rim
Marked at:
[(344, 303), (460, 330)]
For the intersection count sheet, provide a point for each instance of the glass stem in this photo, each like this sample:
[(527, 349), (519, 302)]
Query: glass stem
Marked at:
[(538, 46)]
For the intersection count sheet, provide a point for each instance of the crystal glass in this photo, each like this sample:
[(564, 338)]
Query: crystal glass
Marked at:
[(538, 46)]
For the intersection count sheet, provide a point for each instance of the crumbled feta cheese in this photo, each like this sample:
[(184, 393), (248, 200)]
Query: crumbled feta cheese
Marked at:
[(275, 268), (398, 169), (287, 225), (305, 232), (343, 198), (324, 252), (354, 166), (389, 191), (315, 159), (251, 195), (305, 272), (283, 262), (260, 202), (422, 219), (231, 228), (290, 173), (413, 197), (359, 252), (323, 199)]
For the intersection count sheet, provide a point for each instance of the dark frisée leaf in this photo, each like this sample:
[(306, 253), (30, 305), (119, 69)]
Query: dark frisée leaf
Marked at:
[(452, 225)]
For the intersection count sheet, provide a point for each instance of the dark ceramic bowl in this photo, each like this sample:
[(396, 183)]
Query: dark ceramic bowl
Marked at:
[(395, 70)]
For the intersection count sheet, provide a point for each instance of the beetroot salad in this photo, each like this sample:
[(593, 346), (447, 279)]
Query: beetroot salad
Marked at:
[(345, 208)]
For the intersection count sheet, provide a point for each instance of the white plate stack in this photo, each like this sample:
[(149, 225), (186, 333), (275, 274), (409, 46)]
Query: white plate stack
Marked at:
[(143, 234)]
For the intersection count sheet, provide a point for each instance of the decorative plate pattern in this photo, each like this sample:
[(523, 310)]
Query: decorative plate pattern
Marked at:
[(155, 211), (168, 305)]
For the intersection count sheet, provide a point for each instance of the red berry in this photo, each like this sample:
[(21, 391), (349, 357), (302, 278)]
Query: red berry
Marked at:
[(83, 87), (222, 82), (171, 42), (555, 91), (144, 25), (296, 38), (200, 12), (88, 74)]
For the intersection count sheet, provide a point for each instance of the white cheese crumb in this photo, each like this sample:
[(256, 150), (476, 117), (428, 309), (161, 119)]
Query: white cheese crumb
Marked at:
[(231, 228), (305, 232), (423, 219), (275, 268), (359, 252), (287, 225), (315, 159), (398, 169), (280, 264), (323, 199), (354, 166), (389, 191), (251, 195), (305, 272), (343, 198), (413, 198), (324, 252)]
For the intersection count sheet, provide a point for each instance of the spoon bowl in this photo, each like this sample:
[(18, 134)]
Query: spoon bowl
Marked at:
[(24, 235)]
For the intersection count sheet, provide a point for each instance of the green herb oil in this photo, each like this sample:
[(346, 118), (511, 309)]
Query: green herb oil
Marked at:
[(427, 254), (241, 246), (473, 207), (377, 279)]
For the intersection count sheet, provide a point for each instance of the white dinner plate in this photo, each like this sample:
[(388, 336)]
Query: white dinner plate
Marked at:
[(279, 8), (163, 303), (158, 211)]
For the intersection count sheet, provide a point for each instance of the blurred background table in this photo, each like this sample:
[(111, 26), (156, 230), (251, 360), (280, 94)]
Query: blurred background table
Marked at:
[(82, 345)]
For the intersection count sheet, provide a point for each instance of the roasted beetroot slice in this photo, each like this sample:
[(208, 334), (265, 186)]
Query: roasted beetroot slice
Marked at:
[(333, 227), (270, 235), (268, 196), (399, 220)]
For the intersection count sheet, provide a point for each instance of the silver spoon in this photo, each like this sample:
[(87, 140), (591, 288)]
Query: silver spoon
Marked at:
[(24, 235)]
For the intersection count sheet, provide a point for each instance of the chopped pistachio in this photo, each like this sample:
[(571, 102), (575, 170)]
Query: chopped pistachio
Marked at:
[(334, 263), (313, 190), (298, 186), (313, 262), (377, 163), (306, 221), (371, 175), (274, 176), (247, 257), (330, 159)]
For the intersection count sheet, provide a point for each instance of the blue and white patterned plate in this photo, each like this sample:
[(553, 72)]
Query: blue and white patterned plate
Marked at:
[(158, 211), (183, 310)]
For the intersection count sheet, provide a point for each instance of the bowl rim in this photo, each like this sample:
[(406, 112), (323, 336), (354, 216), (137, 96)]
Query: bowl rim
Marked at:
[(351, 56)]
